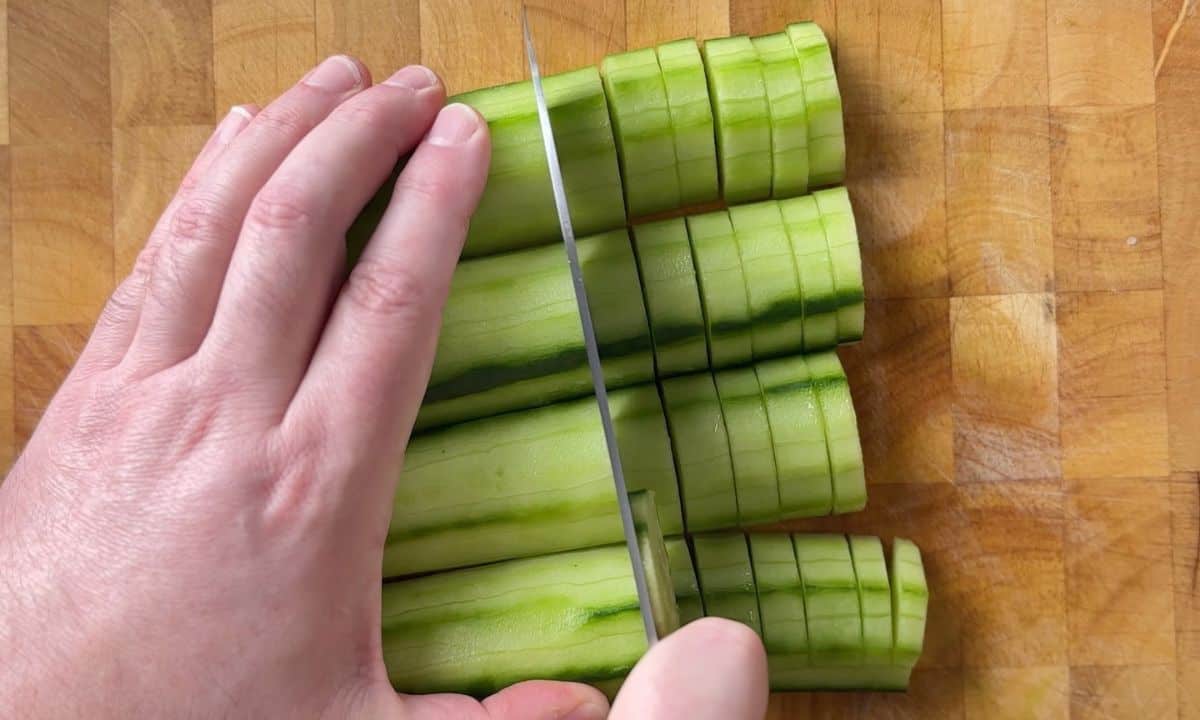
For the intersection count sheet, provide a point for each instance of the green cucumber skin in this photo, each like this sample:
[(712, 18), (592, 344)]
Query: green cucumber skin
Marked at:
[(701, 445), (672, 296), (741, 114), (841, 233), (722, 288), (754, 475), (772, 285), (874, 597), (823, 101), (811, 251), (727, 578), (683, 577), (910, 602), (841, 431), (797, 431), (692, 120), (789, 114), (831, 599), (641, 118), (780, 594)]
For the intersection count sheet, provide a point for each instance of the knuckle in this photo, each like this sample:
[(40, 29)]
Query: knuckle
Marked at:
[(425, 190), (199, 219), (389, 289), (366, 112), (284, 119), (280, 207)]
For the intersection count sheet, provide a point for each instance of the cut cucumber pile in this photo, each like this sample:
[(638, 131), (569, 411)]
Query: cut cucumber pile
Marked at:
[(651, 130)]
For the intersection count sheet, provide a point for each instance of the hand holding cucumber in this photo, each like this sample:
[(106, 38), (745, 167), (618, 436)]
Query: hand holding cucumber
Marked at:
[(196, 527)]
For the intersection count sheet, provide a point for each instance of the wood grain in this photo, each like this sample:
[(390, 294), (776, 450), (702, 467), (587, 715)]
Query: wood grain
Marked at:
[(649, 22), (42, 357), (6, 246), (260, 48), (890, 55), (1028, 693), (161, 62), (762, 17), (8, 442), (994, 53), (1185, 552), (1099, 53), (1144, 692), (385, 35)]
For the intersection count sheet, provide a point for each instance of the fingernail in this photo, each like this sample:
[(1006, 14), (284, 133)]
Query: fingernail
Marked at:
[(413, 77), (233, 123), (336, 73), (455, 124), (588, 711)]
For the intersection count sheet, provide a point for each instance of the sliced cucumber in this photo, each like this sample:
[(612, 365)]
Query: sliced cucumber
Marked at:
[(780, 595), (701, 446), (798, 433), (739, 101), (837, 217), (772, 286), (910, 605), (874, 597), (726, 578), (826, 135), (652, 549), (637, 100), (691, 119), (672, 296), (614, 295), (683, 576), (811, 250), (789, 114), (841, 431), (722, 288), (835, 628), (646, 457), (749, 445)]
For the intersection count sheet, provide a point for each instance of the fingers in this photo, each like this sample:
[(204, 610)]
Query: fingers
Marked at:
[(190, 265), (373, 360), (710, 669), (534, 700), (291, 252)]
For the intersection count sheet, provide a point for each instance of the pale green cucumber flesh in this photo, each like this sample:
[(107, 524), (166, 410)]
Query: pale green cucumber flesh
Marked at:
[(910, 603), (691, 120), (874, 597), (830, 599), (656, 564), (841, 233), (811, 250), (701, 447), (823, 101), (637, 101), (772, 285), (672, 296), (841, 431), (750, 446), (614, 294), (741, 113), (645, 448), (726, 578), (798, 434), (722, 284), (780, 594), (683, 577), (789, 114)]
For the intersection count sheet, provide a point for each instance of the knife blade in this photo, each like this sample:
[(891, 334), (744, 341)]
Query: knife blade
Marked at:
[(589, 335)]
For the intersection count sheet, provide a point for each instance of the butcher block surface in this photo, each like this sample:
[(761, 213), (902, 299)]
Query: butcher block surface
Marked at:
[(1027, 180)]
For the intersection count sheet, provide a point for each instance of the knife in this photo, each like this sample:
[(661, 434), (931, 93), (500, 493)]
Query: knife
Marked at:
[(589, 335)]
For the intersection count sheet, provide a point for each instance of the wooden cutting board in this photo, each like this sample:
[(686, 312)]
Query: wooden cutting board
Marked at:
[(1027, 177)]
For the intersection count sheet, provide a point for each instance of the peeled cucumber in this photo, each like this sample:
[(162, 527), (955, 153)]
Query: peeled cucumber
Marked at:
[(772, 285), (806, 233), (754, 476), (789, 114), (798, 434), (741, 112), (841, 234), (702, 461), (841, 431), (691, 120), (672, 296), (722, 283), (683, 576), (726, 578), (823, 102)]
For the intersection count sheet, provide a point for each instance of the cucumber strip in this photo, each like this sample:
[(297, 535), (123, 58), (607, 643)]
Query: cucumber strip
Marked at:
[(789, 114), (780, 595), (511, 338), (683, 577), (750, 448), (875, 599), (701, 446), (841, 431), (722, 283), (739, 102), (835, 628), (807, 235), (637, 102), (726, 578), (772, 285), (841, 233), (826, 135), (798, 433), (691, 120), (645, 449), (660, 585), (910, 605), (672, 296), (441, 634)]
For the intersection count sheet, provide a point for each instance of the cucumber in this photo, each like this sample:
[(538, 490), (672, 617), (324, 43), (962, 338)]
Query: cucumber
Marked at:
[(569, 616), (780, 595), (742, 115), (683, 577), (637, 102), (789, 114), (817, 289), (841, 233), (754, 475), (798, 435), (672, 296), (874, 598), (910, 604), (823, 100), (835, 627), (726, 578), (645, 450), (511, 337), (691, 120), (841, 431), (722, 283), (701, 446), (772, 285)]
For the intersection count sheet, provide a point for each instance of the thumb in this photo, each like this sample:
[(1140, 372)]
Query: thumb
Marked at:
[(710, 669)]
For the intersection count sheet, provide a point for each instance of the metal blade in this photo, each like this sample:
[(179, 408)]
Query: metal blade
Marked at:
[(589, 336)]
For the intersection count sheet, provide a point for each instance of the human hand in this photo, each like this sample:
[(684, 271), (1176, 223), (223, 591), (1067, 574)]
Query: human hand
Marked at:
[(196, 527)]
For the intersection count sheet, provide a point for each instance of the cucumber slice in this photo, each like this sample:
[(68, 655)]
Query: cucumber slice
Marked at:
[(440, 632), (739, 101), (637, 101), (811, 250), (726, 578), (780, 596), (683, 577), (614, 293), (798, 433), (772, 285), (750, 446), (722, 288), (910, 605), (660, 585), (875, 599), (826, 135), (837, 217), (672, 296), (645, 449), (835, 628), (789, 114), (841, 431), (701, 446), (691, 120)]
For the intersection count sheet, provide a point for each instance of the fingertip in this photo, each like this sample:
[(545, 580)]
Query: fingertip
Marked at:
[(547, 700)]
